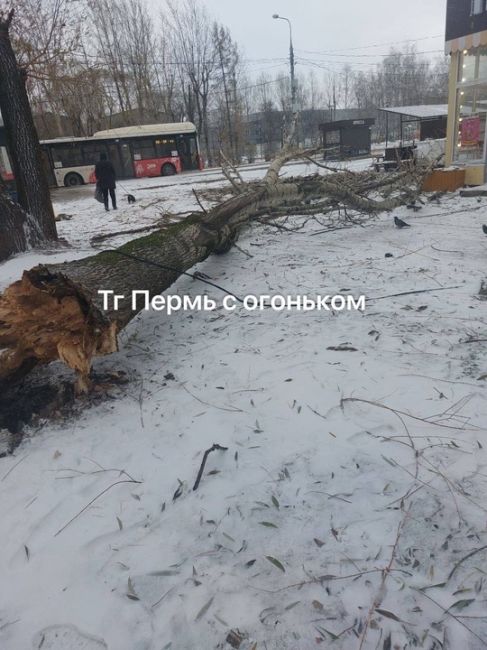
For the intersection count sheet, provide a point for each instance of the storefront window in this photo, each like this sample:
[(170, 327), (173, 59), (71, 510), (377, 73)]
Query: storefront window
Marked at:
[(473, 65), (471, 120), (468, 66), (471, 106), (482, 68)]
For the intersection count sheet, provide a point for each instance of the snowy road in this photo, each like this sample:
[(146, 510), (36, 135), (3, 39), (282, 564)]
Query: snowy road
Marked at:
[(340, 464)]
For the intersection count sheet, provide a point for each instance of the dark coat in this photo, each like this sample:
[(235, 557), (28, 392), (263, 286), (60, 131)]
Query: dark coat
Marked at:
[(105, 175)]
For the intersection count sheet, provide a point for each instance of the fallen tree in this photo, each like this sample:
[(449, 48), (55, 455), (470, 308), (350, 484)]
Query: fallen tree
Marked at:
[(55, 311)]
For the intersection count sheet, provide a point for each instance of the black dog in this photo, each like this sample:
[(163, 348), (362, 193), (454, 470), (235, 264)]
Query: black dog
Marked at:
[(399, 223), (131, 198), (484, 229)]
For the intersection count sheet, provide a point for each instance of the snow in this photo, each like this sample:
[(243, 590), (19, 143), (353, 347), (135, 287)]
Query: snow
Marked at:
[(320, 483)]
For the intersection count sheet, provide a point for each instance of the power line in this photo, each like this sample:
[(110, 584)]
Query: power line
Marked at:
[(322, 66), (376, 56), (126, 59), (261, 84), (365, 47)]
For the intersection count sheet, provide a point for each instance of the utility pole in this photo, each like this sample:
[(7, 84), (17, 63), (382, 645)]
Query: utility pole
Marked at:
[(291, 61)]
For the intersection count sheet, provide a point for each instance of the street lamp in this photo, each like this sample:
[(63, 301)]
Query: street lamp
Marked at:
[(291, 61)]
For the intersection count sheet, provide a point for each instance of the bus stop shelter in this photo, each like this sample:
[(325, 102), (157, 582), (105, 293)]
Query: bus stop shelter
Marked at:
[(347, 138), (432, 119)]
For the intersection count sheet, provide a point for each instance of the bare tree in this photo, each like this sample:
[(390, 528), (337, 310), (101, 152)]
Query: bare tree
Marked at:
[(194, 51), (170, 84), (313, 92), (228, 60), (138, 45), (105, 16)]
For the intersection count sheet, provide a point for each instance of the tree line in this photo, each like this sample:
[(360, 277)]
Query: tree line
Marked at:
[(94, 64)]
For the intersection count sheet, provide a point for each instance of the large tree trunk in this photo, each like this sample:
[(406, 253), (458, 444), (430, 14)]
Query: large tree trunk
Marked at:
[(55, 311), (13, 227), (23, 143)]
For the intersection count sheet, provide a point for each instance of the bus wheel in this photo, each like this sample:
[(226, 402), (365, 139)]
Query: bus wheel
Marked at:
[(168, 170), (72, 179)]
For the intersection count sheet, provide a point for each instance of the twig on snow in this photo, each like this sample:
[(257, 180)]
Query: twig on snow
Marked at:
[(388, 408), (456, 618), (215, 447), (242, 251), (233, 409), (91, 503), (326, 578), (385, 574), (442, 250), (410, 293), (13, 467), (466, 557), (452, 485)]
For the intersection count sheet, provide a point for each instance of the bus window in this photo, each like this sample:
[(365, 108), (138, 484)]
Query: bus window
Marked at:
[(92, 151), (66, 156), (144, 149), (165, 147)]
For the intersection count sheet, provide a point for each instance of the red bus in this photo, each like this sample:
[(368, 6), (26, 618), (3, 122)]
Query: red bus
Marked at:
[(135, 151)]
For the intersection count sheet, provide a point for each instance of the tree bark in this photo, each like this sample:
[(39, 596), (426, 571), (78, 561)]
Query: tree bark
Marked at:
[(13, 227), (23, 143)]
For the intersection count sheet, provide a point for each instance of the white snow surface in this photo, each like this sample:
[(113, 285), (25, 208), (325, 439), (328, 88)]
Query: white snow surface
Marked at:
[(324, 513)]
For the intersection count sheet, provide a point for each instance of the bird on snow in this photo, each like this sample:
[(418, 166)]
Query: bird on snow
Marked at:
[(399, 223), (484, 228)]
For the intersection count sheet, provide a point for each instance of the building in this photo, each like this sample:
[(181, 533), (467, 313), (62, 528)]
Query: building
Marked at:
[(466, 43), (347, 138), (265, 130)]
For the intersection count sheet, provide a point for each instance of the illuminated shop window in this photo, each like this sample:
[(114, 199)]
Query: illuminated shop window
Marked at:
[(470, 123), (473, 65)]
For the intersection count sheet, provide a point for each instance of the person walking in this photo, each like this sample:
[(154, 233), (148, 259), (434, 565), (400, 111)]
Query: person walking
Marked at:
[(105, 179)]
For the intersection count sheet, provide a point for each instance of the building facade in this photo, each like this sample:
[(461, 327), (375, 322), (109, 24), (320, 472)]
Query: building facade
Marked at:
[(466, 43)]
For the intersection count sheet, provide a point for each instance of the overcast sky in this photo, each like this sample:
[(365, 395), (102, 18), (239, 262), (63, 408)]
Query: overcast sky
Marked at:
[(323, 25)]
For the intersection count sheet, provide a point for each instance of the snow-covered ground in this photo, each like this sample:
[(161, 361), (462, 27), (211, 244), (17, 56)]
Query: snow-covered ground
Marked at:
[(349, 510)]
